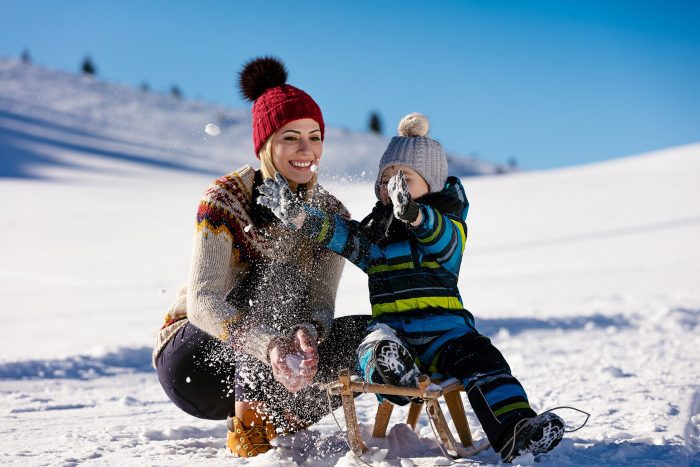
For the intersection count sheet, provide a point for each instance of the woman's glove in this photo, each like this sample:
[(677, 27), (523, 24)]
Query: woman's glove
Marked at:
[(276, 195), (295, 362), (405, 208)]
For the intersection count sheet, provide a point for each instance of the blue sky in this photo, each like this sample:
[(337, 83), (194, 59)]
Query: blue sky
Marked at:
[(547, 83)]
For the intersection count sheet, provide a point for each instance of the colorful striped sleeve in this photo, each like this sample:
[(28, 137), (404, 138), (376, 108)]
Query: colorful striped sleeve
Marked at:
[(341, 236), (442, 237)]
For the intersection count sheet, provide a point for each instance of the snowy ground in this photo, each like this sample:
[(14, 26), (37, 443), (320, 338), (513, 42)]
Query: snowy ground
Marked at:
[(586, 278)]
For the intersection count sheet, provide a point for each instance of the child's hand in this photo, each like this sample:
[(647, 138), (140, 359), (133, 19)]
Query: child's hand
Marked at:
[(405, 208), (276, 195)]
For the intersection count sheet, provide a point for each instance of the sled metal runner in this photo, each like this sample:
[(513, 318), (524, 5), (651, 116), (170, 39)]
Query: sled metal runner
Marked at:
[(430, 392)]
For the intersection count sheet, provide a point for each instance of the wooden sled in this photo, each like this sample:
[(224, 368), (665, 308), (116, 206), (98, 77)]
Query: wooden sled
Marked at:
[(430, 392)]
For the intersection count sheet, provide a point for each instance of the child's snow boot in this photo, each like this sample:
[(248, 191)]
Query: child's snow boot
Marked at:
[(533, 435), (389, 362), (395, 364), (249, 435)]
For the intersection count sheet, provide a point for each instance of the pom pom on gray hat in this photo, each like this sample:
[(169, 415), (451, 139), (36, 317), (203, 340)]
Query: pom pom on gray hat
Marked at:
[(414, 149), (414, 124)]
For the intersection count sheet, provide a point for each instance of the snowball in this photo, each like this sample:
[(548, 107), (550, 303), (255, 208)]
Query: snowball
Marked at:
[(212, 129), (188, 379), (293, 361), (247, 228), (404, 442), (380, 455), (314, 168)]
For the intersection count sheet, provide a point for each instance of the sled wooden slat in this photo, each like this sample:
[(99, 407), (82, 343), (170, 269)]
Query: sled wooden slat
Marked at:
[(454, 449), (428, 391), (438, 419), (381, 421), (357, 386), (354, 435), (413, 414), (459, 417)]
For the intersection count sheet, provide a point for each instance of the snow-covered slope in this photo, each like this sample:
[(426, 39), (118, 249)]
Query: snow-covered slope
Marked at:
[(53, 122), (586, 279)]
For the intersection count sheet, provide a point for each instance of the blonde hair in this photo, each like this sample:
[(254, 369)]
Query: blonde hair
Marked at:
[(267, 166)]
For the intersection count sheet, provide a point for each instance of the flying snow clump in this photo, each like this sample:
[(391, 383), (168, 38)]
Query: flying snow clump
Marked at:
[(212, 129)]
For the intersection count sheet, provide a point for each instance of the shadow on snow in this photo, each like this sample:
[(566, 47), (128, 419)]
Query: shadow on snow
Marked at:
[(514, 326), (18, 161), (120, 361)]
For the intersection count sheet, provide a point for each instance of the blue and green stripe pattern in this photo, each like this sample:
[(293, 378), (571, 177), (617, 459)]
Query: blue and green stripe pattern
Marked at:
[(419, 272), (504, 398)]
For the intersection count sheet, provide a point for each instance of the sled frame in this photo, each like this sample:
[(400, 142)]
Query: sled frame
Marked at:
[(430, 392)]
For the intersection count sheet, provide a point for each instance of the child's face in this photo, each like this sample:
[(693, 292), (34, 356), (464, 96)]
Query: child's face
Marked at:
[(417, 187)]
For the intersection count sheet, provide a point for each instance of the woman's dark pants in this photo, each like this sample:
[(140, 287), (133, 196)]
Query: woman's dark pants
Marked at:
[(204, 377)]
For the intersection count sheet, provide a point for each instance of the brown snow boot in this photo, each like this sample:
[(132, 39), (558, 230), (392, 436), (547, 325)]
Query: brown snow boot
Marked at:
[(250, 434)]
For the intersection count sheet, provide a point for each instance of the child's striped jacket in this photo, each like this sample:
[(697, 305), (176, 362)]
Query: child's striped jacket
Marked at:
[(419, 272)]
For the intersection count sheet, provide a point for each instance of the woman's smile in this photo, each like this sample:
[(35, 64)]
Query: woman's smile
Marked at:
[(302, 165)]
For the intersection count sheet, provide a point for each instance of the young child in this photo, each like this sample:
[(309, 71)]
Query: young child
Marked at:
[(411, 248)]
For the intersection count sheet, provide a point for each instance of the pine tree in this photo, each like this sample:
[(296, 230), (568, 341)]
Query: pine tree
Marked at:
[(375, 123), (145, 87), (25, 57), (175, 91), (88, 67)]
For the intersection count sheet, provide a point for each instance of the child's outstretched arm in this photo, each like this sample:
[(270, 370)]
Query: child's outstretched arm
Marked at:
[(443, 237), (328, 230)]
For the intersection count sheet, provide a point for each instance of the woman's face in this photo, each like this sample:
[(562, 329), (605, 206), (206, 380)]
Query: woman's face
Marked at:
[(295, 148), (417, 187)]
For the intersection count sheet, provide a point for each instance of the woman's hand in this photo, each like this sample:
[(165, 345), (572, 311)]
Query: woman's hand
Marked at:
[(281, 370), (308, 349), (295, 363)]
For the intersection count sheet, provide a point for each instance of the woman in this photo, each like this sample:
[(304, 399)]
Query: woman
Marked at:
[(254, 327)]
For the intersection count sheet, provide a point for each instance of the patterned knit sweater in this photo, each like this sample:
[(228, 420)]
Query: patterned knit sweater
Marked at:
[(252, 280)]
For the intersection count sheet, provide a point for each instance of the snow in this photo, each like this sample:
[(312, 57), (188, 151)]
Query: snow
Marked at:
[(293, 361), (585, 278), (212, 129)]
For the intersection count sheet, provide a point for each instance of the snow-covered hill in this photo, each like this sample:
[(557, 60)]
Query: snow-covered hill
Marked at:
[(586, 279), (53, 122)]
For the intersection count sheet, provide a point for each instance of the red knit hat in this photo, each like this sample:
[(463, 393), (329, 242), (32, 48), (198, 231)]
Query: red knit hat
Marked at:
[(275, 103)]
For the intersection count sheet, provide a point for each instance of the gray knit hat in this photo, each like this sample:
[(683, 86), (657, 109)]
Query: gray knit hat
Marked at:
[(414, 149)]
